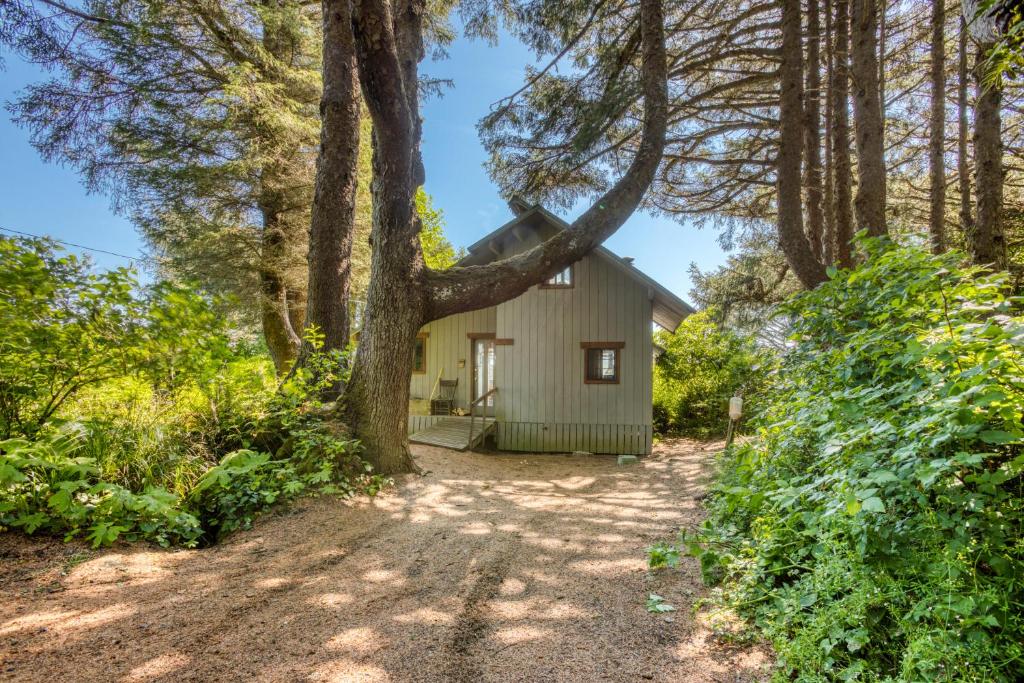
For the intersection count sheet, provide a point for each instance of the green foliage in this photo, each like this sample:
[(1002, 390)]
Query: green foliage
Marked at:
[(64, 329), (438, 252), (46, 486), (141, 420), (662, 555), (1005, 58), (701, 367), (656, 604), (67, 329), (873, 530), (141, 436), (746, 291)]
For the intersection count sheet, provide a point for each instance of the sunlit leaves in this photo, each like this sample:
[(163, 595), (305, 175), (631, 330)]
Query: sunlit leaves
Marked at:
[(885, 540)]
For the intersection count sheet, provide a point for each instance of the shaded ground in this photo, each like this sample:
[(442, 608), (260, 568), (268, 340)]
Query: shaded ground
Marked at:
[(489, 568)]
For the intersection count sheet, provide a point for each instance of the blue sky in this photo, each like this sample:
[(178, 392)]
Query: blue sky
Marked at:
[(41, 197)]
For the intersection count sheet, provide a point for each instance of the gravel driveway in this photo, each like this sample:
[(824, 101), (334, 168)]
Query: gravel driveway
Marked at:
[(488, 568)]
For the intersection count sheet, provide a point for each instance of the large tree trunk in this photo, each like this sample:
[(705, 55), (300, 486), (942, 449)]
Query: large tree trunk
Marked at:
[(792, 239), (812, 134), (843, 167), (403, 294), (275, 305), (829, 198), (333, 216), (986, 241), (937, 131), (376, 403), (963, 163), (867, 113)]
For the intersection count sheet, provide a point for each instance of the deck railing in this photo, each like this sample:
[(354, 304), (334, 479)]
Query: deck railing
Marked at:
[(472, 415)]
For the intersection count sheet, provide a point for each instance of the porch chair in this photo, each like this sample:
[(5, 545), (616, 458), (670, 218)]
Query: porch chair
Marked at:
[(444, 403)]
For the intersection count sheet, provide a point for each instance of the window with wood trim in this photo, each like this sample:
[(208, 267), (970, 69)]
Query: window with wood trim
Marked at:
[(419, 356), (562, 280), (601, 362)]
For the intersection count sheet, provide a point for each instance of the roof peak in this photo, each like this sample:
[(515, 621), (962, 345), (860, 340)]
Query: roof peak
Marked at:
[(519, 205)]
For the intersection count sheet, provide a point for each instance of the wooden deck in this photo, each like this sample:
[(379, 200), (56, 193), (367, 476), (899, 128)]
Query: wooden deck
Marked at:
[(453, 432)]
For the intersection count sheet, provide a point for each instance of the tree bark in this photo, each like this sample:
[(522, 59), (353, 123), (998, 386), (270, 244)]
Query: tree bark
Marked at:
[(986, 241), (792, 239), (332, 224), (376, 401), (463, 289), (829, 197), (937, 131), (812, 134), (403, 294), (867, 113), (281, 339), (843, 167), (963, 162)]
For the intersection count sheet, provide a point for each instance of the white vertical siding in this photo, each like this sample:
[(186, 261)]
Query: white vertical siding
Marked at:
[(543, 403), (447, 344)]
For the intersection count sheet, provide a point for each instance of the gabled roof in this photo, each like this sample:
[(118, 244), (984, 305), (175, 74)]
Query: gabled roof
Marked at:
[(668, 310)]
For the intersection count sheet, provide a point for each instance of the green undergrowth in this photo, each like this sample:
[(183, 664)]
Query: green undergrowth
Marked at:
[(699, 367), (62, 483), (872, 530), (136, 412)]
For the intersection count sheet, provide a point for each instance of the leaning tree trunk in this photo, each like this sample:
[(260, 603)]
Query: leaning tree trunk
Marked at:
[(986, 241), (963, 163), (937, 131), (867, 114), (403, 294), (280, 336), (332, 224), (812, 134), (792, 239), (843, 167)]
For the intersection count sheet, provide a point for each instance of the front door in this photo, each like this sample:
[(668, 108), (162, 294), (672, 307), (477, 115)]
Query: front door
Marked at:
[(483, 374)]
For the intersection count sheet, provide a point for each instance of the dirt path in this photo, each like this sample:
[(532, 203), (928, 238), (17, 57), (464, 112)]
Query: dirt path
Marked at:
[(489, 568)]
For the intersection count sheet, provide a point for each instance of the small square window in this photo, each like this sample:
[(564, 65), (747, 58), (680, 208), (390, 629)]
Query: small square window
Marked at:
[(560, 280), (601, 363), (419, 356)]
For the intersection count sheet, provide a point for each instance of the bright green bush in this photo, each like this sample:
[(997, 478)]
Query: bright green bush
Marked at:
[(141, 436), (873, 530), (700, 367), (46, 486), (138, 417)]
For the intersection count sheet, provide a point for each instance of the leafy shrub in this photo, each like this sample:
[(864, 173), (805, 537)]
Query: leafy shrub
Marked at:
[(701, 366), (64, 328), (141, 420), (67, 329), (45, 486), (873, 530), (141, 436)]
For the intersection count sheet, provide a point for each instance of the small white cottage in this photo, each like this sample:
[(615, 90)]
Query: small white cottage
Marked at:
[(566, 366)]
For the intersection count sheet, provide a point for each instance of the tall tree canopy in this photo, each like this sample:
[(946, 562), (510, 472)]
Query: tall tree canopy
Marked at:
[(200, 120), (724, 146)]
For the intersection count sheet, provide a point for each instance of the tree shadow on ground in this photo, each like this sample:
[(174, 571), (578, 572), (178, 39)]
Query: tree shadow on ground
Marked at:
[(492, 567)]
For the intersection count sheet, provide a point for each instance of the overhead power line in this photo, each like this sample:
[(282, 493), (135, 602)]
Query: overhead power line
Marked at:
[(76, 246)]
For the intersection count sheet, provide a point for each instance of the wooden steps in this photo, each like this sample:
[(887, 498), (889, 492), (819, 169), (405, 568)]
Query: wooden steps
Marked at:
[(453, 432)]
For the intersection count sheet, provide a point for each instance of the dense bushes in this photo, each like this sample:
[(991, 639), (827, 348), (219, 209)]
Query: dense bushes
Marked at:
[(699, 368), (874, 528), (135, 415)]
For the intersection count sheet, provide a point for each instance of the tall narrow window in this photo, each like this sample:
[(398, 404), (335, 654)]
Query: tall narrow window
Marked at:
[(601, 362), (562, 280), (419, 356)]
